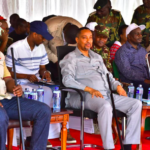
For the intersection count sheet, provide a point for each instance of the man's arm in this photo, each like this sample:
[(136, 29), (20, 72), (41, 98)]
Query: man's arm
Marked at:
[(45, 74), (68, 71), (30, 77), (51, 56), (10, 84), (4, 40)]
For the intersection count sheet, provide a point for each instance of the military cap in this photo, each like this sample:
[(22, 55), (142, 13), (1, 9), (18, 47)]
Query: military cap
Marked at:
[(100, 4), (99, 29)]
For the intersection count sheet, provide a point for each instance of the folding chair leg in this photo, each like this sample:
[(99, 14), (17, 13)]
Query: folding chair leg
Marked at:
[(82, 127), (123, 127)]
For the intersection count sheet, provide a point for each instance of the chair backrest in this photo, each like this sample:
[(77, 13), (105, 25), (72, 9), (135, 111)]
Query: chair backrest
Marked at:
[(62, 51), (115, 70), (148, 63)]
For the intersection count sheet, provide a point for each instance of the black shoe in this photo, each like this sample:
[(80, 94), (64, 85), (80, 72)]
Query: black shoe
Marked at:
[(28, 140)]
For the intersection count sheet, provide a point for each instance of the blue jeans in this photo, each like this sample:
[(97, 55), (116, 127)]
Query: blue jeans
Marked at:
[(31, 110)]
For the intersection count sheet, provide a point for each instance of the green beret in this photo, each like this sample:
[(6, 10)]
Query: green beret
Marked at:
[(100, 4), (103, 30)]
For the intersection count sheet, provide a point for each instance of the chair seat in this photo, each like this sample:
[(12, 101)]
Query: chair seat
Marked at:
[(87, 113), (120, 114), (91, 114), (15, 124)]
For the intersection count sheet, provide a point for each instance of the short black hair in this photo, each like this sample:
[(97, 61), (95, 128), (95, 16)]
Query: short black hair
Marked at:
[(70, 33), (20, 22), (80, 29), (121, 28), (48, 17), (14, 16)]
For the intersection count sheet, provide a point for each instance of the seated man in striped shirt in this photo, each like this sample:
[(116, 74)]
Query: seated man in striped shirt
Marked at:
[(30, 59)]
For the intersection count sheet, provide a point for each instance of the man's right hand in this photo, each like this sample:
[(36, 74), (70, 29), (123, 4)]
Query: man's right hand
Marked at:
[(93, 92), (32, 78), (1, 104), (147, 81)]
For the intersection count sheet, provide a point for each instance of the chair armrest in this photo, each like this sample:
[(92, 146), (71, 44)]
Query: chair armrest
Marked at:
[(68, 89)]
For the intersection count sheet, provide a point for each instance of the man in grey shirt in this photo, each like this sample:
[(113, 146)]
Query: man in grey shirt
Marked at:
[(84, 69)]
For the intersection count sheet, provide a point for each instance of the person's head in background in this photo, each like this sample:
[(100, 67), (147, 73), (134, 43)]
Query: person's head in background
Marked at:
[(122, 34), (38, 33), (134, 34), (70, 31), (102, 8), (92, 26), (146, 3), (13, 19), (101, 35), (4, 25), (21, 26), (48, 17)]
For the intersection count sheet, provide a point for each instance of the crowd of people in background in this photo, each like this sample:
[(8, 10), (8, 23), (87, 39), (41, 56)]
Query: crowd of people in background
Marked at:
[(110, 42)]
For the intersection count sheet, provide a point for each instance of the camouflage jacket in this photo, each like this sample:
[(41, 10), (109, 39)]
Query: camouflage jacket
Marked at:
[(114, 20), (105, 53), (142, 16)]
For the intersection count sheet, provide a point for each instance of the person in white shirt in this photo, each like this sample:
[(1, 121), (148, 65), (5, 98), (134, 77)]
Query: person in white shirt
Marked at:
[(30, 59)]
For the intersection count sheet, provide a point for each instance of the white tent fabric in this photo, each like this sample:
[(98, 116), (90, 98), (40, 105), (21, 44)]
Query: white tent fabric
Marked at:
[(78, 9)]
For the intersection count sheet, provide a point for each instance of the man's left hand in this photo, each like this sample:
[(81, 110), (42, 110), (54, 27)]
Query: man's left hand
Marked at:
[(47, 76), (17, 91), (121, 91)]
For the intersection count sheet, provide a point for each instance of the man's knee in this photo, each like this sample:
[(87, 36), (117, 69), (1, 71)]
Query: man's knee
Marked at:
[(106, 107), (138, 104), (46, 110)]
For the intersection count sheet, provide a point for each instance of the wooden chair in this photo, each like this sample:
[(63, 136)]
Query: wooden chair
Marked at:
[(14, 124)]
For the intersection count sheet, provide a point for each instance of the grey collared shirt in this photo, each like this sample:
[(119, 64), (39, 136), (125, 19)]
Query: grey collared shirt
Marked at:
[(79, 71)]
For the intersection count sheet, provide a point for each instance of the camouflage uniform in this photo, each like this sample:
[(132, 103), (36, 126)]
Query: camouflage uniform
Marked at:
[(103, 51), (113, 21), (142, 16)]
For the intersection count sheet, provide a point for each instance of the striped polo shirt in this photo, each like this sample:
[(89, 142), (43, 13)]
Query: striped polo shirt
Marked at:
[(27, 61)]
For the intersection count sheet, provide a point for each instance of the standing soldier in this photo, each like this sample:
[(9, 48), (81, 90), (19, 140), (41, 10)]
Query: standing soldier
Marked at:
[(142, 16), (104, 15), (101, 35)]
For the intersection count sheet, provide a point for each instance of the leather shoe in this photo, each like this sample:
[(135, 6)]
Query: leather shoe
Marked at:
[(70, 139)]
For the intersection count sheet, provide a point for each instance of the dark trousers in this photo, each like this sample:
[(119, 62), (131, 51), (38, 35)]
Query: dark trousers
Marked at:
[(145, 87), (35, 111)]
